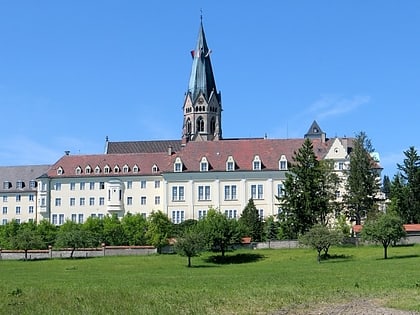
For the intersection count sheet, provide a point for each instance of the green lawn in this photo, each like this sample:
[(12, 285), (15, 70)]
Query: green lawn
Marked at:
[(257, 281)]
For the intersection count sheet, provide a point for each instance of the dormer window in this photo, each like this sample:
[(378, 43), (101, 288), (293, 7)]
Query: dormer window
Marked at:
[(256, 164), (204, 165), (88, 169), (283, 163), (178, 165), (20, 184), (60, 171), (135, 169), (116, 169), (230, 164), (32, 184), (97, 170), (7, 185), (155, 169), (107, 169), (78, 170), (125, 168)]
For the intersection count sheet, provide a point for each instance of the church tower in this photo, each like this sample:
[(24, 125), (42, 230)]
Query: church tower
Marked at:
[(202, 105)]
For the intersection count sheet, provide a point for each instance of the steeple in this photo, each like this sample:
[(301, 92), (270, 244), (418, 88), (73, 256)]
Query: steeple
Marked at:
[(202, 105)]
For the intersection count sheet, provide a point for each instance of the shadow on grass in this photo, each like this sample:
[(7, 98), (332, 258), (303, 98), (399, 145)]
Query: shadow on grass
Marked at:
[(404, 256), (234, 259), (336, 258)]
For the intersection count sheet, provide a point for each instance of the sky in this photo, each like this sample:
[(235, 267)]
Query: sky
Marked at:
[(75, 72)]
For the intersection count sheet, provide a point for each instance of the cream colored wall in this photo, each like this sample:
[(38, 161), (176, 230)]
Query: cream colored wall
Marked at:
[(27, 200)]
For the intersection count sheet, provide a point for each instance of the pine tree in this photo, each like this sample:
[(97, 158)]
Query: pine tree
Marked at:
[(251, 223)]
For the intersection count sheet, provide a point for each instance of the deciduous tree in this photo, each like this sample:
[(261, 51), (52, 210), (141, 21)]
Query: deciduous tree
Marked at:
[(72, 235), (159, 229), (387, 228), (190, 244)]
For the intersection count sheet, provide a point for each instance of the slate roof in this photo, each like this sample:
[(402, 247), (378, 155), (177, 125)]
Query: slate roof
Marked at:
[(217, 153), (25, 174), (142, 146)]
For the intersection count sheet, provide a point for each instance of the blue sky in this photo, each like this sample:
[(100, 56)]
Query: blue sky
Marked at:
[(74, 72)]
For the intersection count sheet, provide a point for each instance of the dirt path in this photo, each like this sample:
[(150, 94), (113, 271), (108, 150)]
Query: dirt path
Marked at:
[(359, 307)]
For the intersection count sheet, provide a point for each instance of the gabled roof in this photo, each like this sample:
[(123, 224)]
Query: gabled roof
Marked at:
[(154, 146), (27, 173)]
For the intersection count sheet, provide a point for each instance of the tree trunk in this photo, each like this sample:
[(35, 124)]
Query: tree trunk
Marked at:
[(385, 251), (319, 256), (189, 261), (26, 254), (72, 251)]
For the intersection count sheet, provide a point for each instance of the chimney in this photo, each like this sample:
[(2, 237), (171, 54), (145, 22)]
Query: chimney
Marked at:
[(169, 150), (67, 152)]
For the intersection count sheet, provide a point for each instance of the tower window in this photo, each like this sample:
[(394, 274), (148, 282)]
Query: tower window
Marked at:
[(200, 124)]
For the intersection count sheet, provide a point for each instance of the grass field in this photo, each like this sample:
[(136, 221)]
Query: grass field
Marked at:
[(254, 282)]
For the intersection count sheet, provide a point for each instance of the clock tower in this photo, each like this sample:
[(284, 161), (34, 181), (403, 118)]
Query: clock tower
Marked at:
[(202, 105)]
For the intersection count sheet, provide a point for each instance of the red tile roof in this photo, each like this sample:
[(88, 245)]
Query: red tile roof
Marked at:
[(243, 152)]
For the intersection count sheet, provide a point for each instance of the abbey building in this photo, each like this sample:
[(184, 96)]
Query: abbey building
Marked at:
[(181, 177)]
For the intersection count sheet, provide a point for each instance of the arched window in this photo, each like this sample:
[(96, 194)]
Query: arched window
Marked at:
[(200, 124), (213, 126), (188, 126)]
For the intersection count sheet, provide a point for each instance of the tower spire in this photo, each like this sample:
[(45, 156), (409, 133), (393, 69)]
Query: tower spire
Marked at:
[(202, 106)]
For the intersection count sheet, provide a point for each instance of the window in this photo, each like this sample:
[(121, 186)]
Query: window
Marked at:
[(82, 201), (155, 169), (18, 198), (32, 184), (116, 169), (102, 185), (341, 166), (80, 218), (178, 165), (157, 200), (178, 216), (143, 200), (143, 184), (200, 124), (43, 202), (204, 193), (54, 219), (256, 164), (261, 213), (60, 171), (202, 214), (4, 221), (101, 201), (230, 192), (92, 185), (337, 194), (129, 184), (4, 198), (125, 169), (257, 192), (230, 164), (283, 163), (72, 202), (82, 186), (61, 219), (231, 214), (20, 184), (97, 170), (74, 217), (31, 197), (72, 186), (157, 183), (17, 209), (178, 193), (7, 185), (78, 170), (17, 221), (129, 201), (100, 216), (91, 201), (57, 202), (280, 190), (204, 165), (57, 186), (4, 210), (88, 169), (106, 169), (135, 169)]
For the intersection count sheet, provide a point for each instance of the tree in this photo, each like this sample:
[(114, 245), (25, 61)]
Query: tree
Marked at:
[(362, 185), (308, 192), (8, 231), (27, 238), (134, 226), (386, 186), (72, 235), (387, 228), (271, 229), (190, 244), (321, 238), (159, 229), (405, 189), (113, 231), (95, 227), (219, 231), (47, 232), (251, 223)]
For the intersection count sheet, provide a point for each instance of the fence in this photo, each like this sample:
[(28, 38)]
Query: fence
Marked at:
[(78, 253)]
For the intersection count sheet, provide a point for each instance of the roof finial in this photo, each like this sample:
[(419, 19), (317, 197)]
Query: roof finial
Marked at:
[(201, 15)]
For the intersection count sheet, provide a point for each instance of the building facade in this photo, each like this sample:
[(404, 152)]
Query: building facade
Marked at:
[(182, 178)]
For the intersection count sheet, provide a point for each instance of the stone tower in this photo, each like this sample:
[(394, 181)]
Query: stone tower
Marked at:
[(202, 105)]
